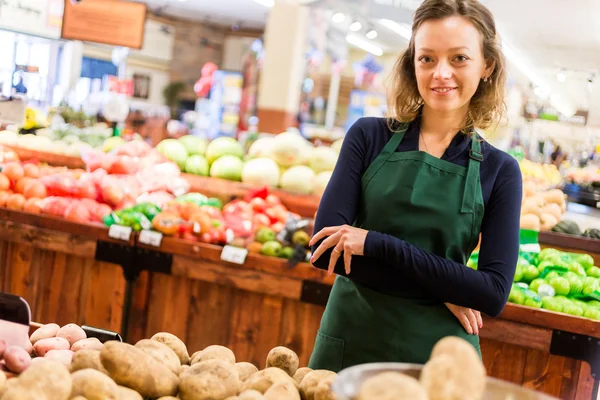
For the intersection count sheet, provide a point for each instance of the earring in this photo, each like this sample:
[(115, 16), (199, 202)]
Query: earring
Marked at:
[(485, 79)]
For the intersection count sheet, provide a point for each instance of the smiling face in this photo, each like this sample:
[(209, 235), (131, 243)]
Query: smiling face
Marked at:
[(449, 63)]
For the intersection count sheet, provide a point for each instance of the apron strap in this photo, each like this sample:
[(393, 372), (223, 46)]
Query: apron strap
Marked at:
[(388, 150), (472, 181)]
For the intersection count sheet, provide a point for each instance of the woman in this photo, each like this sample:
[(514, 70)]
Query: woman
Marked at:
[(411, 195)]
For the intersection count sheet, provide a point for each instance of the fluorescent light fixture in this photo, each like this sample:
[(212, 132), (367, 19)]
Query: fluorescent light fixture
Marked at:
[(266, 3), (355, 26), (561, 77), (397, 28), (338, 17), (372, 34), (365, 45)]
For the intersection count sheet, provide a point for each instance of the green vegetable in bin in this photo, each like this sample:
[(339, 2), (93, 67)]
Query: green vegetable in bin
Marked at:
[(552, 304), (590, 285), (214, 202), (592, 313), (530, 273), (136, 220), (148, 209), (196, 198), (547, 253), (535, 284), (576, 283), (561, 285)]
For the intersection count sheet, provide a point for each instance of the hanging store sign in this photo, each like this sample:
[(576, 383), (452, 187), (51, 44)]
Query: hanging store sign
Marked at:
[(113, 22), (32, 17)]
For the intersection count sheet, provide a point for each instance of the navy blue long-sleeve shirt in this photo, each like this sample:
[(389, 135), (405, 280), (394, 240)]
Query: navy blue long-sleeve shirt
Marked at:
[(485, 289)]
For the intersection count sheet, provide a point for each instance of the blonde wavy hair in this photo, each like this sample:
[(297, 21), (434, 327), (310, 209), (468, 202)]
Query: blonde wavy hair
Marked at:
[(486, 107)]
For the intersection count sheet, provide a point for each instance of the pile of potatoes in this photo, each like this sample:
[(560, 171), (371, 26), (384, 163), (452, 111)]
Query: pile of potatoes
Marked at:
[(50, 342), (454, 372), (70, 366), (541, 210)]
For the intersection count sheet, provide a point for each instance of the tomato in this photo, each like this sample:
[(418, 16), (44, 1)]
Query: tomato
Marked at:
[(4, 182), (33, 205), (77, 212), (3, 197), (258, 205), (15, 201), (87, 190), (206, 237), (261, 220), (22, 183), (13, 170), (278, 226), (189, 236), (236, 207), (212, 212), (201, 222), (272, 200), (35, 188)]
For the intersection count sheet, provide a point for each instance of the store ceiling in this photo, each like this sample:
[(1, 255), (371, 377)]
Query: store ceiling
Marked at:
[(550, 36)]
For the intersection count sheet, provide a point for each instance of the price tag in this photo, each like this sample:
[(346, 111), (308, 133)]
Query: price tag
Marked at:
[(151, 238), (234, 254), (119, 232)]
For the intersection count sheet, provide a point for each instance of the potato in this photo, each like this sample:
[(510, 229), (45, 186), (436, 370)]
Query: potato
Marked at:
[(213, 352), (2, 380), (284, 358), (530, 221), (28, 347), (87, 358), (16, 359), (78, 398), (391, 386), (232, 398), (547, 221), (554, 209), (124, 393), (45, 379), (182, 369), (458, 349), (94, 385), (89, 343), (554, 196), (447, 378), (132, 367), (310, 382), (63, 356), (261, 381), (282, 391), (175, 344), (208, 380), (7, 384), (72, 332), (161, 352), (323, 392), (251, 395), (300, 374), (245, 369), (44, 332), (42, 346), (167, 398)]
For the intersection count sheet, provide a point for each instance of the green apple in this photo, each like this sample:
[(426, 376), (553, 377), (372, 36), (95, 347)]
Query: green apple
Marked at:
[(548, 253), (550, 303), (518, 274), (576, 285), (594, 303), (573, 310), (532, 302), (530, 273), (592, 313), (593, 271), (551, 275), (590, 284), (546, 290), (561, 285), (516, 296), (535, 284)]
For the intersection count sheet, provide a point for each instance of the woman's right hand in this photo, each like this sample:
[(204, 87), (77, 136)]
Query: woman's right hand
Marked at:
[(469, 319)]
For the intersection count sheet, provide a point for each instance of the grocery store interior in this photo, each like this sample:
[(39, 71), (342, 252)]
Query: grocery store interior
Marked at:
[(161, 167)]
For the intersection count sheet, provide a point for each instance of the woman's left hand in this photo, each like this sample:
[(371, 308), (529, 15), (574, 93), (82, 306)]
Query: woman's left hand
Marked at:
[(345, 238)]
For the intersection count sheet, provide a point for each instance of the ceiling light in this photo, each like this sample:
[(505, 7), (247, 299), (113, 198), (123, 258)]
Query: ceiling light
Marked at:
[(397, 28), (365, 45), (266, 3), (372, 34), (561, 77), (338, 17), (355, 26)]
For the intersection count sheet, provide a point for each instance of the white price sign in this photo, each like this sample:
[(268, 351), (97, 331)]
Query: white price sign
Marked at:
[(151, 238), (234, 254), (119, 232)]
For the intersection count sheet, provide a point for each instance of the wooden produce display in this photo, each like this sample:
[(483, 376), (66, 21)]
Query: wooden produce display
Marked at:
[(57, 266)]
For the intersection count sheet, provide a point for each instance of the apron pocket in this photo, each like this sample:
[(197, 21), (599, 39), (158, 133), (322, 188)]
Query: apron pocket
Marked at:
[(328, 353)]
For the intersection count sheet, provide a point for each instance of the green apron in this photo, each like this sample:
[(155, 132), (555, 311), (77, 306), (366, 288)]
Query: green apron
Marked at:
[(435, 205)]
